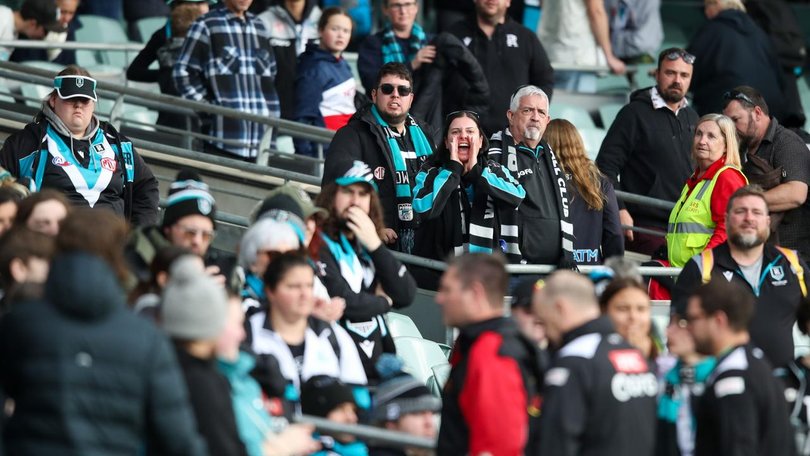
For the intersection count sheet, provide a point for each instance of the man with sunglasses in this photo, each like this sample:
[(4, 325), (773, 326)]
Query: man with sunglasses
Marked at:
[(647, 149), (393, 144), (778, 160)]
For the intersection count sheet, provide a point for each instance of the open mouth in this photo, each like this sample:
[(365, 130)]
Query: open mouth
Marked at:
[(464, 146)]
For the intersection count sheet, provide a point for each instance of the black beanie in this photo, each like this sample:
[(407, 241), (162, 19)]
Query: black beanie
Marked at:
[(188, 195), (321, 394)]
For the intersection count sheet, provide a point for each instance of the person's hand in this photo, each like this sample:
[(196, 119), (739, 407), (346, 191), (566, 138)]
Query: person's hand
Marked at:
[(616, 66), (296, 439), (475, 146), (215, 274), (424, 55), (363, 228), (389, 236), (626, 220), (454, 150), (329, 309)]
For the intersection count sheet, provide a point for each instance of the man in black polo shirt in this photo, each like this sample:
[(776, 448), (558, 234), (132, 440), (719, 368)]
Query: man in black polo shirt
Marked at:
[(778, 160)]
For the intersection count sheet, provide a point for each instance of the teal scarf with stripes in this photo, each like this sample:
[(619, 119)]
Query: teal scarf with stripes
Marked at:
[(392, 51)]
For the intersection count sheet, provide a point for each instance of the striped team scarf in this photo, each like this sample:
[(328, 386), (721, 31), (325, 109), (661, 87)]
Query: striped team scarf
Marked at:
[(392, 51)]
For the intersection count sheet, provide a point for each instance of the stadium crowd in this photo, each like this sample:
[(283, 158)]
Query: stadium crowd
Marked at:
[(125, 330)]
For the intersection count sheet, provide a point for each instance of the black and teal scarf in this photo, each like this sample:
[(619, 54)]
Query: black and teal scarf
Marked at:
[(392, 51)]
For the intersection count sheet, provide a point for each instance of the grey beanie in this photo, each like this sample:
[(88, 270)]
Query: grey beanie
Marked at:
[(399, 393), (194, 306)]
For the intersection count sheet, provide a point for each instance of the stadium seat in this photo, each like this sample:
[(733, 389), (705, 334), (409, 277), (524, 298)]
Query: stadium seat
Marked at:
[(674, 36), (148, 25), (141, 115), (402, 325), (99, 29), (592, 137), (440, 375), (644, 77), (50, 66), (420, 356), (608, 112), (576, 115), (34, 94)]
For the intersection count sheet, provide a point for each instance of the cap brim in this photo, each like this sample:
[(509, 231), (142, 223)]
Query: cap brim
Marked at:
[(65, 95), (346, 181)]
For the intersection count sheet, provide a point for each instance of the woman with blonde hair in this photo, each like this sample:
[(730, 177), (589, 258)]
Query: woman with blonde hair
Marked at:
[(698, 220), (594, 210)]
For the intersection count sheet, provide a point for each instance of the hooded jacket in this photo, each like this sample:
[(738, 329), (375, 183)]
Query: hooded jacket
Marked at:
[(80, 167), (650, 150), (324, 93), (87, 376), (731, 50)]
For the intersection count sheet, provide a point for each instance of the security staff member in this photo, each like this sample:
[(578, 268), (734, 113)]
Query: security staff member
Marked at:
[(68, 149), (599, 395)]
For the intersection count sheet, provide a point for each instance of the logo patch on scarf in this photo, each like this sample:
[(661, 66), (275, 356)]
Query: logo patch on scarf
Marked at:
[(108, 164), (59, 161), (405, 212)]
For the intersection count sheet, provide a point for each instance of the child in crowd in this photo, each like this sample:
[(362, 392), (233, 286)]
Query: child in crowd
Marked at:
[(329, 398), (325, 86)]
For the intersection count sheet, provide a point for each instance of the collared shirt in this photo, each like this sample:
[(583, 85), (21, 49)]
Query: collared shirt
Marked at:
[(228, 61), (658, 101)]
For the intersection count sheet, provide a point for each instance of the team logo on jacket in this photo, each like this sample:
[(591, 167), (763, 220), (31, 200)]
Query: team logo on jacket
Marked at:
[(379, 173), (108, 164), (511, 40), (59, 161), (777, 273), (628, 361)]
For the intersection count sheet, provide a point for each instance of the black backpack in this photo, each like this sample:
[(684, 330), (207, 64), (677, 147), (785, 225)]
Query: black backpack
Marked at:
[(778, 20)]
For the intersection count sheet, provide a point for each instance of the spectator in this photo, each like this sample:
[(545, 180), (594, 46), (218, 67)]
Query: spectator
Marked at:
[(145, 298), (210, 69), (449, 12), (11, 194), (626, 303), (599, 394), (698, 220), (683, 384), (69, 24), (43, 212), (25, 257), (68, 149), (88, 361), (727, 47), (491, 400), (382, 135), (594, 210), (576, 33), (284, 329), (796, 385), (510, 55), (540, 230), (774, 275), (636, 31), (34, 20), (741, 389), (638, 158), (113, 9), (361, 13), (325, 86), (776, 159), (193, 314), (355, 265), (328, 397), (136, 10), (164, 47), (521, 311), (292, 24), (401, 40), (252, 419), (261, 243), (453, 186), (403, 404)]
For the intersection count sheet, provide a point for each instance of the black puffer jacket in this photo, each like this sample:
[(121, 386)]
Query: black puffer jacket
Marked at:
[(87, 376)]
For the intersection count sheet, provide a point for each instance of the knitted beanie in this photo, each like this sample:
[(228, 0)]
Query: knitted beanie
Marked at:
[(399, 393), (194, 306), (188, 195), (321, 394)]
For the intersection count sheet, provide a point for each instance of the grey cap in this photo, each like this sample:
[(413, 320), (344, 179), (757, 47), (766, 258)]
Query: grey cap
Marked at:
[(194, 306)]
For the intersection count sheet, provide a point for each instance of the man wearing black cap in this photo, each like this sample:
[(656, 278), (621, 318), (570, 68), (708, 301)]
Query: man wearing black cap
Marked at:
[(68, 149), (34, 19)]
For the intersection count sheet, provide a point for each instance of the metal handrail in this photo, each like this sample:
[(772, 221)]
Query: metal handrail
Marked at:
[(645, 200), (368, 433), (72, 45)]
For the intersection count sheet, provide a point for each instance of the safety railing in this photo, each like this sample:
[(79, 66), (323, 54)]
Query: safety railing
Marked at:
[(368, 434)]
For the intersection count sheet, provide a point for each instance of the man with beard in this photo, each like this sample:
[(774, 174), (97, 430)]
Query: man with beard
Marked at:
[(773, 275), (393, 144), (742, 409), (648, 148), (777, 159), (539, 231)]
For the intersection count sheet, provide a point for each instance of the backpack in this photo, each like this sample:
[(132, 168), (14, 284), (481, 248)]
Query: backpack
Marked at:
[(778, 20), (707, 258)]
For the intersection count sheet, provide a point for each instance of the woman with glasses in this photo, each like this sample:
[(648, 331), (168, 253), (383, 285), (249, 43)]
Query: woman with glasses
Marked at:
[(68, 149), (594, 209), (698, 220), (452, 188)]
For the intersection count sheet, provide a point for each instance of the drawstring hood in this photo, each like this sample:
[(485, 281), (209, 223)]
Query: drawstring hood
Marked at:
[(60, 127)]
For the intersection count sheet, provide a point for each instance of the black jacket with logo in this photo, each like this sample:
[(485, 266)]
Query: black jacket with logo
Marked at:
[(742, 410), (778, 299), (599, 396)]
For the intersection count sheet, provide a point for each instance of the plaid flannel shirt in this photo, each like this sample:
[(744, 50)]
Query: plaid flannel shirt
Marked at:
[(228, 61)]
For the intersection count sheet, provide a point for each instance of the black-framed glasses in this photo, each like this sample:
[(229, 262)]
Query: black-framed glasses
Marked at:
[(458, 113), (677, 53), (739, 96), (388, 89)]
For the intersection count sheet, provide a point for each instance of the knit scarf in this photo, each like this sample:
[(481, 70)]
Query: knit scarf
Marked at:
[(392, 51), (423, 149), (671, 400)]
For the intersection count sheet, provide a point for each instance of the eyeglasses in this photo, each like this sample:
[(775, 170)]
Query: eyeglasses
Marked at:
[(675, 54), (691, 319), (191, 233), (402, 6), (458, 113), (388, 89), (739, 96)]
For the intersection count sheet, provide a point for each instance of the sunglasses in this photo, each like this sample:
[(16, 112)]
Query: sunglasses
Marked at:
[(458, 113), (388, 89), (739, 96), (675, 54)]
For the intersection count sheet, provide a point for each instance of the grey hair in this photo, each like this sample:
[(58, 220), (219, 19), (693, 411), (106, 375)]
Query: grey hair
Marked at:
[(525, 91), (731, 5), (265, 234)]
